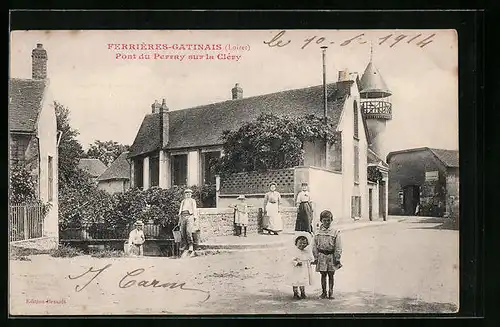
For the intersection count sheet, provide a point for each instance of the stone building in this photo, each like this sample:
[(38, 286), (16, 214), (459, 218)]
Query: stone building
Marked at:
[(116, 178), (33, 135), (177, 147), (425, 177)]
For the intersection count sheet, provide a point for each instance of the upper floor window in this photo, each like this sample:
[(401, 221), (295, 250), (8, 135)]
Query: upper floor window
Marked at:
[(356, 120), (356, 162), (50, 178)]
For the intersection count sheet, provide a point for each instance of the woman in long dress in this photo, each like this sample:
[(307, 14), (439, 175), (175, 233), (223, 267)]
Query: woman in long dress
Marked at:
[(304, 211), (272, 216)]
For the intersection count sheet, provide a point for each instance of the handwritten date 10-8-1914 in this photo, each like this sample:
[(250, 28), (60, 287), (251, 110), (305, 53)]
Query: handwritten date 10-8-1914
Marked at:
[(391, 40)]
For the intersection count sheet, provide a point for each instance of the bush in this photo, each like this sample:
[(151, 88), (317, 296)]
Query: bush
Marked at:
[(64, 251), (22, 184), (115, 214), (22, 254)]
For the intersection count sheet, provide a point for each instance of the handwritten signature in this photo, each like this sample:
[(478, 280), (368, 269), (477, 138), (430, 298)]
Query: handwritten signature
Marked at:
[(278, 40), (127, 281)]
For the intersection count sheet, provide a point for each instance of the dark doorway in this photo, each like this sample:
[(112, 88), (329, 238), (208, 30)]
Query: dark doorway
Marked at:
[(370, 204), (382, 210), (411, 198), (179, 170)]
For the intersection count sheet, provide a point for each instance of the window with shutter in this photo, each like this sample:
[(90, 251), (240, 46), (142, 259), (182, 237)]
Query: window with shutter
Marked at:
[(50, 185), (356, 162), (355, 116)]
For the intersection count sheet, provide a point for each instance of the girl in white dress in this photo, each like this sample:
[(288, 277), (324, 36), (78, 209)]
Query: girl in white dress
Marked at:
[(302, 258)]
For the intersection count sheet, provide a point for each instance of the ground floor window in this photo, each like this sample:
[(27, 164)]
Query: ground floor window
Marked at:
[(154, 170), (208, 164), (138, 173), (179, 169), (355, 207)]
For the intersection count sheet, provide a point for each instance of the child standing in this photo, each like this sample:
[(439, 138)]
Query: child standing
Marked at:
[(241, 215), (188, 212), (136, 239), (301, 264), (327, 250)]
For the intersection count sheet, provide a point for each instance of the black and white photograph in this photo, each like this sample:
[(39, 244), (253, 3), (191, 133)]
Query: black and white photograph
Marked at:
[(209, 172)]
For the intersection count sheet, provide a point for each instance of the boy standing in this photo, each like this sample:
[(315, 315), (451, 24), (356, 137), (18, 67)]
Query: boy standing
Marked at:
[(327, 251)]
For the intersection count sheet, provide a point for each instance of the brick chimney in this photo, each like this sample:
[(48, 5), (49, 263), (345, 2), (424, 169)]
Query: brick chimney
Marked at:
[(164, 123), (237, 92), (39, 62), (155, 107)]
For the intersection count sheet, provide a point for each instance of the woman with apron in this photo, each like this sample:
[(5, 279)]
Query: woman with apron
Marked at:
[(272, 217)]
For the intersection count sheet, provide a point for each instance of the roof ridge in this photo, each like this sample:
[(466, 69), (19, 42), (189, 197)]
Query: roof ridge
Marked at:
[(262, 95)]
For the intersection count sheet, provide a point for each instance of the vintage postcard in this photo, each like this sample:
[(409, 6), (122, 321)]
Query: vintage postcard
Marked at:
[(199, 172)]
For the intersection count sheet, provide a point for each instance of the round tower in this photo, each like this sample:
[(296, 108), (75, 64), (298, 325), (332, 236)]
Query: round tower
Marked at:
[(375, 104)]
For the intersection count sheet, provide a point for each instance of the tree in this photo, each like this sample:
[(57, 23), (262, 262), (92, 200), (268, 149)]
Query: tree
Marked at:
[(70, 150), (271, 142), (22, 185), (106, 151)]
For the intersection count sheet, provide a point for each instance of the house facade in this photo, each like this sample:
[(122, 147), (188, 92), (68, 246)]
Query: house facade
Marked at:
[(33, 135), (175, 148), (426, 177), (116, 178)]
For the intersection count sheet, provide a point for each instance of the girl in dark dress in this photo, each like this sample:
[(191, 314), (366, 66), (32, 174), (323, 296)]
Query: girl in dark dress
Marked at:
[(304, 210)]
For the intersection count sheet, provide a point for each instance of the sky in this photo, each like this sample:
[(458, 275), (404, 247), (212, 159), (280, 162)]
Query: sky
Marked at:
[(108, 96)]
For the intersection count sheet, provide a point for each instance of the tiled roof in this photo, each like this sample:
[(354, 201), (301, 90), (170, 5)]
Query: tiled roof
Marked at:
[(204, 125), (94, 167), (148, 137), (119, 169), (373, 158), (25, 103), (448, 157)]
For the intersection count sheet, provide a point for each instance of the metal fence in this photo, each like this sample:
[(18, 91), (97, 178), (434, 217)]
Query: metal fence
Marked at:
[(100, 231), (25, 222)]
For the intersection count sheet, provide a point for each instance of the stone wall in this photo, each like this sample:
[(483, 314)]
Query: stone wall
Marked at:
[(220, 221)]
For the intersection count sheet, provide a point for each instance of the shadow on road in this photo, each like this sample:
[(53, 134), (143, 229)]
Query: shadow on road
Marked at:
[(271, 301), (444, 223)]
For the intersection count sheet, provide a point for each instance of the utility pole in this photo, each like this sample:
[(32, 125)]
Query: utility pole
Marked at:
[(323, 48), (325, 103)]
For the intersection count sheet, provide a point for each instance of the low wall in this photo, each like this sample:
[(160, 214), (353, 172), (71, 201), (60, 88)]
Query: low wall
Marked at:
[(42, 243), (256, 200), (220, 221)]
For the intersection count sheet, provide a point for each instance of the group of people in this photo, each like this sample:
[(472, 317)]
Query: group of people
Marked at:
[(321, 248)]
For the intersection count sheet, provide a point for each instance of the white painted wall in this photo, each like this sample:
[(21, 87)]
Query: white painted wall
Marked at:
[(346, 125), (165, 173), (145, 173), (375, 207), (325, 187), (47, 135), (194, 167), (113, 186)]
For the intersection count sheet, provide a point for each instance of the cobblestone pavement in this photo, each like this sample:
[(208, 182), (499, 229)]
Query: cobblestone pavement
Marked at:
[(403, 267)]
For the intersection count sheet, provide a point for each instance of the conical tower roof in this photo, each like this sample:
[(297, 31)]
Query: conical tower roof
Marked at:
[(372, 85)]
